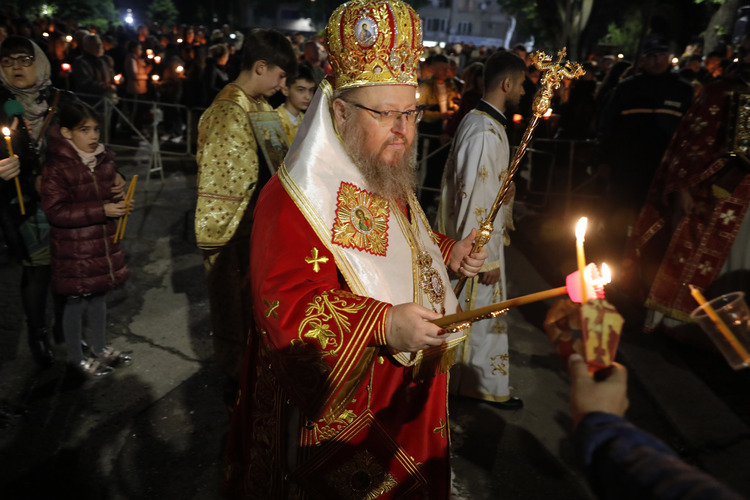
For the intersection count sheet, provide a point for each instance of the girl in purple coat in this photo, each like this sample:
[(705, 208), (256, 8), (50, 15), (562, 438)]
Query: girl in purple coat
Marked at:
[(77, 198)]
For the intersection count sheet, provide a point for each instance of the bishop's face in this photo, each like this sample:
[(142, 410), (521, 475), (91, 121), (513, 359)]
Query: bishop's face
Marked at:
[(381, 146)]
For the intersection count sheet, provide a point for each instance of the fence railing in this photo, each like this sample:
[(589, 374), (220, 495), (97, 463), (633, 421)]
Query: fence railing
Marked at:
[(544, 161), (128, 119)]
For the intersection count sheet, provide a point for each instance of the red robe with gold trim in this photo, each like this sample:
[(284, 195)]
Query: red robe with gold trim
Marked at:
[(324, 411), (670, 249)]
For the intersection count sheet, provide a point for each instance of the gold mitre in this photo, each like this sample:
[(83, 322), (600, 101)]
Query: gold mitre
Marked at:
[(374, 42)]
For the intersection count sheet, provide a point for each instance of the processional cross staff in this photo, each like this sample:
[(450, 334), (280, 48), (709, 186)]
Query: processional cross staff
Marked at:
[(552, 77)]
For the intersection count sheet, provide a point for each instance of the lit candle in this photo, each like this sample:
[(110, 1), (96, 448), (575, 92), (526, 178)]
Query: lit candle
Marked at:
[(6, 133), (580, 233)]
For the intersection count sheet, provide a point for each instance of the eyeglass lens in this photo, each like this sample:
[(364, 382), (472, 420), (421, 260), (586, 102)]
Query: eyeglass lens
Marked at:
[(22, 60)]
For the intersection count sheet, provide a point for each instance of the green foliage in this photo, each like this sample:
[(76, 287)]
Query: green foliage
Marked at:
[(97, 12), (722, 30), (626, 34), (162, 11)]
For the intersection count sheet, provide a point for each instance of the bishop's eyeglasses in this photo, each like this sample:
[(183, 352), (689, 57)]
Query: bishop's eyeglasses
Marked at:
[(389, 117), (9, 61)]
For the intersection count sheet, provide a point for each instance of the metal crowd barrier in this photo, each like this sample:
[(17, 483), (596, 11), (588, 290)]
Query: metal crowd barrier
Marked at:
[(545, 158), (149, 148)]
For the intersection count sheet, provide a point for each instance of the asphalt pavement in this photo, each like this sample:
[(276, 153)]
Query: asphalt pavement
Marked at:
[(156, 428)]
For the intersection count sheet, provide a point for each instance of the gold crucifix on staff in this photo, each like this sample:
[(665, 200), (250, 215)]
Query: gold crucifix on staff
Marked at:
[(553, 73)]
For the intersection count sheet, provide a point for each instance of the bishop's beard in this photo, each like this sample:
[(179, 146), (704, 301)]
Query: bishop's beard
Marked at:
[(395, 181)]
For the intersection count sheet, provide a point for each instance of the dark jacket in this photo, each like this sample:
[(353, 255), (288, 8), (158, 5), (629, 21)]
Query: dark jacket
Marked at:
[(85, 258), (622, 462), (29, 156)]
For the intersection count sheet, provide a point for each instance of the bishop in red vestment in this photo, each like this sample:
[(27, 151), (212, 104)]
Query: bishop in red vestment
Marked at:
[(344, 385)]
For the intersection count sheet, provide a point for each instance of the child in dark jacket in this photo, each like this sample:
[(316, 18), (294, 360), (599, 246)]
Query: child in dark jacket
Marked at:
[(77, 180)]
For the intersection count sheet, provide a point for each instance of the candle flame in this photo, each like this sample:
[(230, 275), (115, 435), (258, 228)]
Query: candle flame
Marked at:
[(581, 228), (6, 131), (155, 78), (517, 118), (180, 69), (157, 59), (65, 66), (606, 274), (547, 113)]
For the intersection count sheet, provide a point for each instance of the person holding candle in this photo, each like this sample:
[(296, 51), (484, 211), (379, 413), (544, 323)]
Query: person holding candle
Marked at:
[(477, 165), (344, 385), (620, 460), (77, 180), (28, 95)]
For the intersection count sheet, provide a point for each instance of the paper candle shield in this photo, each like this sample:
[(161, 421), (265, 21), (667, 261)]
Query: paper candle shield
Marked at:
[(601, 325), (573, 284)]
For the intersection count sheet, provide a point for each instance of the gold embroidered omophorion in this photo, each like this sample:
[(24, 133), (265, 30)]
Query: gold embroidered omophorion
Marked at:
[(361, 220)]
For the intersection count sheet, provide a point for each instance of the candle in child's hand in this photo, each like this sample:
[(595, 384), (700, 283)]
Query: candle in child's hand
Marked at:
[(580, 233)]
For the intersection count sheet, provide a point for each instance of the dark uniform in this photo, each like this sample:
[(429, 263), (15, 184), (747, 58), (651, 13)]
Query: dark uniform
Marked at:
[(644, 112)]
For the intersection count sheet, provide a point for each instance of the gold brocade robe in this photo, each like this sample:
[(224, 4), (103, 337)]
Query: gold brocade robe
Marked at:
[(290, 129), (228, 179)]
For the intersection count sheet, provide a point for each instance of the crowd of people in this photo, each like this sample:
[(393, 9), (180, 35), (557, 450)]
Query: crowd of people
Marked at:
[(336, 374)]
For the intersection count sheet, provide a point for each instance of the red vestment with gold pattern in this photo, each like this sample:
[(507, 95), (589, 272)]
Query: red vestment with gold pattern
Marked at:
[(669, 248), (324, 410)]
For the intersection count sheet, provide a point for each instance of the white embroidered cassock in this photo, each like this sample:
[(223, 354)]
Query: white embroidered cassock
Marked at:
[(476, 168)]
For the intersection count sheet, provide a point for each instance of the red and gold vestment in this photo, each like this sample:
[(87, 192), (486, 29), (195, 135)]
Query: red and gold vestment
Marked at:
[(326, 409)]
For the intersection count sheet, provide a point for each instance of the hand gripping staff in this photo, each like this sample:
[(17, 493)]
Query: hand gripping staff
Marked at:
[(553, 74)]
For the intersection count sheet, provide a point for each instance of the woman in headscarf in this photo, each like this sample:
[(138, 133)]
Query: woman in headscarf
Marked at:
[(28, 103)]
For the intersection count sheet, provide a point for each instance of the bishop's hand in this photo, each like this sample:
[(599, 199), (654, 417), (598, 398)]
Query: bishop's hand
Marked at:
[(408, 328), (463, 261)]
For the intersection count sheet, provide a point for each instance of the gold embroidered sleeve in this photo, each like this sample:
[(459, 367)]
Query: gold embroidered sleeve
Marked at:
[(324, 338), (227, 172)]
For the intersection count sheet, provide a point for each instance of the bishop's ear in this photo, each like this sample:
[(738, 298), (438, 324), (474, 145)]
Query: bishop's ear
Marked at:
[(339, 111)]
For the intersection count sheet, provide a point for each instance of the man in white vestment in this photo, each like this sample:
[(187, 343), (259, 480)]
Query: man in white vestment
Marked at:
[(476, 168)]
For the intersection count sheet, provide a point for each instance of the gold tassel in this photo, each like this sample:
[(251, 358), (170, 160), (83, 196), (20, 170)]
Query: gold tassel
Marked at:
[(434, 365)]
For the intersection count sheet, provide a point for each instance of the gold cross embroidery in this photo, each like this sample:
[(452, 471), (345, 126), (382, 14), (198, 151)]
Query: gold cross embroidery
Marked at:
[(271, 308), (483, 174), (440, 429), (315, 260)]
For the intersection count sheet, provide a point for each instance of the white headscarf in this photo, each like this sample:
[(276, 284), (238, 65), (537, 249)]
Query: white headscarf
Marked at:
[(34, 107)]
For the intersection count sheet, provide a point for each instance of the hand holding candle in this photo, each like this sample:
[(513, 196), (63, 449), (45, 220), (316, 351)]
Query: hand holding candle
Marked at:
[(8, 143)]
